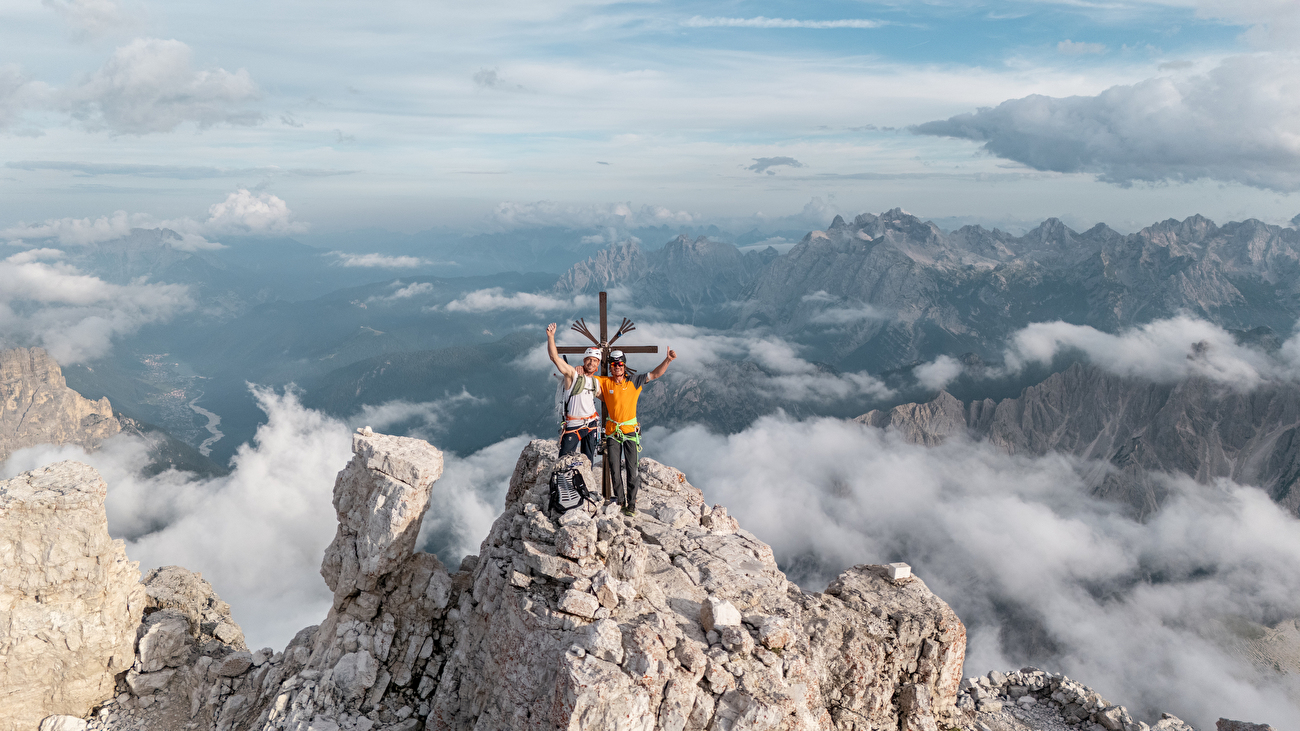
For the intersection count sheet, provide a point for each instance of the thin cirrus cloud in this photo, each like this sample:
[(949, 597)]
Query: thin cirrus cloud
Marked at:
[(762, 22), (174, 172), (1237, 123), (88, 19)]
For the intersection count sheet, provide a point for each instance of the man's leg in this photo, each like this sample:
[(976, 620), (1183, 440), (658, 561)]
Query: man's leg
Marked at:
[(590, 442), (633, 473), (613, 454), (569, 443)]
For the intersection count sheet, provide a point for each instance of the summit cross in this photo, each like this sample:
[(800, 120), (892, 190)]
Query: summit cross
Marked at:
[(606, 344)]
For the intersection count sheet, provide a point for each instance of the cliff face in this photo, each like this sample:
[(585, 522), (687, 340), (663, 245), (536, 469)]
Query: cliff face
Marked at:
[(1134, 426), (70, 601), (37, 407), (673, 619)]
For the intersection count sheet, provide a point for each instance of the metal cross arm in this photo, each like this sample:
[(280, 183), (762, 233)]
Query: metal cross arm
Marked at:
[(578, 350)]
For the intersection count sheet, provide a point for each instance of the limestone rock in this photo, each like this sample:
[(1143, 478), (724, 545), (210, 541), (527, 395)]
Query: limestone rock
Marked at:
[(37, 407), (380, 497), (62, 723), (716, 613), (1224, 724), (70, 601), (182, 591), (613, 639)]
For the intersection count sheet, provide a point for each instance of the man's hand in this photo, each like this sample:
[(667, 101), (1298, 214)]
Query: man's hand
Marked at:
[(662, 367), (565, 369)]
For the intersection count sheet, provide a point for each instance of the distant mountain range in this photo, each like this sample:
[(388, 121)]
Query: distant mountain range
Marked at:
[(1130, 431), (880, 294)]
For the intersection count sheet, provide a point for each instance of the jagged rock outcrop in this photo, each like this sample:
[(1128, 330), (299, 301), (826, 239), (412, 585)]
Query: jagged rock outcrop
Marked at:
[(1032, 699), (1133, 428), (70, 601), (617, 264), (673, 619), (686, 274), (37, 407)]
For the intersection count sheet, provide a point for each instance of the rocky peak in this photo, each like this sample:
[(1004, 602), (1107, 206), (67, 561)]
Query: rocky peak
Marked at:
[(675, 618), (618, 264), (37, 407)]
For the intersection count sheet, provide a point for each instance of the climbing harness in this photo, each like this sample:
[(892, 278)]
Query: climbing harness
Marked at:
[(621, 436)]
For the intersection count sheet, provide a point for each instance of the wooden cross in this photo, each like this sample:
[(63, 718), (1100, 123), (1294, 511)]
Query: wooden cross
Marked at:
[(606, 344)]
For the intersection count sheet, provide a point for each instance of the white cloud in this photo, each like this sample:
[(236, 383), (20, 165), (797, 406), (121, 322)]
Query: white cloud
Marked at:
[(377, 261), (73, 315), (761, 22), (1023, 552), (150, 85), (243, 211), (510, 215), (1240, 122), (23, 257), (1164, 351), (424, 419), (1079, 48), (938, 373), (495, 299)]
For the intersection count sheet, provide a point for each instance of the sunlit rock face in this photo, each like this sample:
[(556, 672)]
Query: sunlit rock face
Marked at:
[(70, 601), (37, 407), (675, 618)]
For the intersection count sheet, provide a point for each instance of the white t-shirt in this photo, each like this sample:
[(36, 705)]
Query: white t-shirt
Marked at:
[(581, 407)]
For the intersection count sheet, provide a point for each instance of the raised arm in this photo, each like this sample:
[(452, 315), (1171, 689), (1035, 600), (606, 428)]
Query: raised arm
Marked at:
[(566, 370), (662, 367)]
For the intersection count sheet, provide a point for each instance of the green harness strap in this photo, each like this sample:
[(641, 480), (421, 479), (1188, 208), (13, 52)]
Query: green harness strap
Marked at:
[(621, 436)]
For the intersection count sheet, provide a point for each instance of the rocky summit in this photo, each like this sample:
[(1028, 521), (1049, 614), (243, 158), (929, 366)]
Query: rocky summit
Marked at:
[(37, 407), (675, 618)]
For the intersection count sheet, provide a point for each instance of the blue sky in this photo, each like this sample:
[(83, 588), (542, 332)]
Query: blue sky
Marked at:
[(410, 115)]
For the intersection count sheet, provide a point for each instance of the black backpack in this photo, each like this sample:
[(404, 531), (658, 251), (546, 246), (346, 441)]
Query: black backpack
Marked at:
[(568, 490)]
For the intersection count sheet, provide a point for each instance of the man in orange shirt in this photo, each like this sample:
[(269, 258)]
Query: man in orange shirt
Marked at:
[(622, 433)]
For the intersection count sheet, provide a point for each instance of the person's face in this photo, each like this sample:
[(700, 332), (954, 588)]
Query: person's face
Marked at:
[(617, 369), (589, 365)]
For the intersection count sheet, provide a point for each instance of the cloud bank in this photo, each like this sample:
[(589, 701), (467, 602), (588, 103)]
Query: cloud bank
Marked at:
[(507, 216), (75, 316), (1162, 351), (1041, 572), (242, 212), (1239, 123)]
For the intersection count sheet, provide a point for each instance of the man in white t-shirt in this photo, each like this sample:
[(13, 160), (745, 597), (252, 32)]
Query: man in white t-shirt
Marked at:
[(581, 417)]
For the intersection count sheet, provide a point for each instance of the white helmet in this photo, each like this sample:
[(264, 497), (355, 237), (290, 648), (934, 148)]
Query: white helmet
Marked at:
[(591, 353), (616, 356)]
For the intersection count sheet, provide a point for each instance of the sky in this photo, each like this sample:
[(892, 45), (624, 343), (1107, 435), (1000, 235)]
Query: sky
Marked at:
[(416, 115)]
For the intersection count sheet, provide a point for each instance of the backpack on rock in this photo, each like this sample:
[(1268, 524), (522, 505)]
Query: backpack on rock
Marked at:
[(569, 480)]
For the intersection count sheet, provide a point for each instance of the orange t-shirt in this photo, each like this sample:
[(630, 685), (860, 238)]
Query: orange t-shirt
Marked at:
[(620, 400)]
